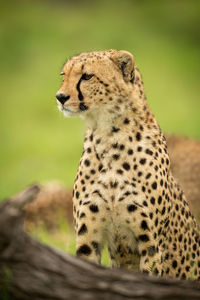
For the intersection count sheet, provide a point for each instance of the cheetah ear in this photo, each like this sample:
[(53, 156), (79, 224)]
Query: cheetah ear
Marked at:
[(125, 62)]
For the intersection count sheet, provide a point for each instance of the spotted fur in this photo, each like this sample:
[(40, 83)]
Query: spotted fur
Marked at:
[(124, 192)]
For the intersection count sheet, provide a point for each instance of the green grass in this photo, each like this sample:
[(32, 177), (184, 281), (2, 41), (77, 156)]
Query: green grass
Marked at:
[(37, 143), (62, 238)]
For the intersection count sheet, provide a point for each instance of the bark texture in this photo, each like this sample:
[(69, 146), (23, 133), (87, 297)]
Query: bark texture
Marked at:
[(30, 270)]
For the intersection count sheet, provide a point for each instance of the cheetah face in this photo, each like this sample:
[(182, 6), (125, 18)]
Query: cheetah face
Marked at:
[(94, 82)]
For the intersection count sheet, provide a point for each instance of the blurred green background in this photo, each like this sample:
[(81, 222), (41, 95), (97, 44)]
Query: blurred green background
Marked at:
[(36, 37)]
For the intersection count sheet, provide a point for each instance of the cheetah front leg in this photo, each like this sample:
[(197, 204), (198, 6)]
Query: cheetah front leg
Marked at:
[(89, 246), (150, 256), (145, 235), (89, 231)]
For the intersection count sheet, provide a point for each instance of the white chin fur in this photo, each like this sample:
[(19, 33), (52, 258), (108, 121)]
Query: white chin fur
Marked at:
[(59, 107), (66, 112)]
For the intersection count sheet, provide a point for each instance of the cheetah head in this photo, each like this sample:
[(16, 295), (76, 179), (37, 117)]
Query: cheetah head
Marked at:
[(96, 82)]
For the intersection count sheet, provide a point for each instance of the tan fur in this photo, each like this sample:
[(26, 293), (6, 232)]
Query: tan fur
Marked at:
[(185, 164), (124, 191)]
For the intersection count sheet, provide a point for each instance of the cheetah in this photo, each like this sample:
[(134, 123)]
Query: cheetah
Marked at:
[(124, 193)]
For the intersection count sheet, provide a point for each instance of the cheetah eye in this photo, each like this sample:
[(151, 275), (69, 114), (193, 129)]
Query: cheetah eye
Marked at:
[(87, 76)]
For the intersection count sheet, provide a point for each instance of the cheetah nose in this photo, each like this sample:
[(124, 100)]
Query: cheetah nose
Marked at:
[(62, 98)]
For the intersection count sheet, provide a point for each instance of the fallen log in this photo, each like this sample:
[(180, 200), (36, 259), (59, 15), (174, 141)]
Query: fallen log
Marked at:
[(31, 270)]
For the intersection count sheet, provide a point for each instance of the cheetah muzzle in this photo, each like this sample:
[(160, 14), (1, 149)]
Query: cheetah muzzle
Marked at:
[(124, 192)]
